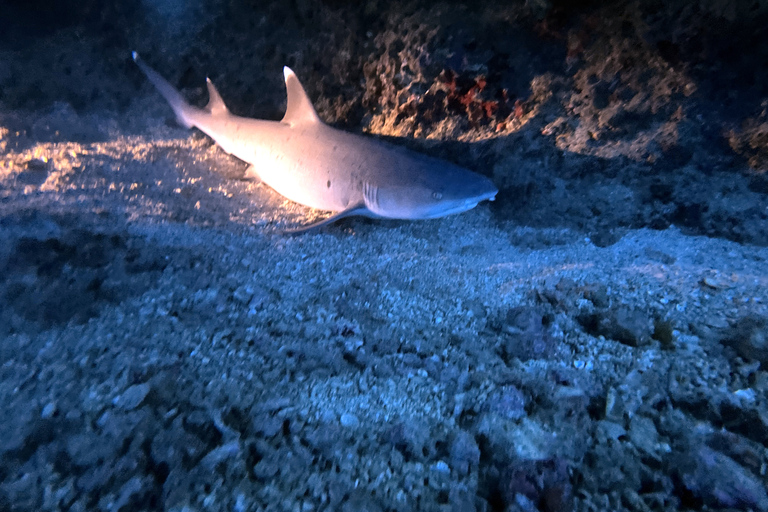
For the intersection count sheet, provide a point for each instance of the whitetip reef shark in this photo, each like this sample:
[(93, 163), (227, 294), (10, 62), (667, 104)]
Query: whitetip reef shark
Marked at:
[(318, 166)]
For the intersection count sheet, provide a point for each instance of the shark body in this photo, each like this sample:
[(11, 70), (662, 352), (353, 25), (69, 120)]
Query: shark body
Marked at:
[(313, 164)]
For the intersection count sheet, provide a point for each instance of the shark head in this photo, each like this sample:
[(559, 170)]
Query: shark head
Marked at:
[(456, 192)]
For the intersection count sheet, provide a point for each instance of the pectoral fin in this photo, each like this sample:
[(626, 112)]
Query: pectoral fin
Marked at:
[(359, 209), (252, 174)]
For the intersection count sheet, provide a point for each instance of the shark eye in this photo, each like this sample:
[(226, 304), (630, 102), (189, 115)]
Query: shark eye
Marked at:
[(437, 196)]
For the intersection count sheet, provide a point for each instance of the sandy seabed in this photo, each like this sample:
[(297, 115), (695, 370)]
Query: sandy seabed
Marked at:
[(593, 340)]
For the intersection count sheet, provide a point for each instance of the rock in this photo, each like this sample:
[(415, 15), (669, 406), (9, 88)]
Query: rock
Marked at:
[(267, 425), (508, 402), (526, 334), (133, 487), (220, 454), (21, 493), (643, 434), (541, 482), (87, 449), (719, 481), (132, 397), (243, 294), (326, 439), (609, 431), (268, 466), (462, 500), (749, 337), (173, 444), (411, 439), (95, 477), (360, 501), (464, 453), (626, 325), (614, 406)]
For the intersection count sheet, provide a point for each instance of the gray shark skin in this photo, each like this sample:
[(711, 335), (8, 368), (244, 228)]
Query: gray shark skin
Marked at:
[(318, 166)]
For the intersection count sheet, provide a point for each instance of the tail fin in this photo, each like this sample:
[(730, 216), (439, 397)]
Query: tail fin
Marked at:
[(183, 110)]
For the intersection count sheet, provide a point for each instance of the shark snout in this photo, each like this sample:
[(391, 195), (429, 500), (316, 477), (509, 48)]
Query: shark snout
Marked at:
[(448, 206)]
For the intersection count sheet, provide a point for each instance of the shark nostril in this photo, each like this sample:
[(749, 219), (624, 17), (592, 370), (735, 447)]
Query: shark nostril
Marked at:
[(437, 196)]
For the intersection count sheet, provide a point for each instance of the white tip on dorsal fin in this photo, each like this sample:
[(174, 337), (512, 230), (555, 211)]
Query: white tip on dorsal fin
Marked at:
[(215, 105), (300, 109)]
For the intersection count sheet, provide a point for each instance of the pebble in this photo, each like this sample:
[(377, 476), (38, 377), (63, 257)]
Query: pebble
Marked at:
[(48, 411), (243, 294), (441, 467), (717, 281), (349, 420), (609, 430), (131, 488), (220, 454), (746, 396), (132, 397)]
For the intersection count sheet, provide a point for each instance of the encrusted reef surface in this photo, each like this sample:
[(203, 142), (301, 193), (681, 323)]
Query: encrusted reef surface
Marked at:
[(596, 339)]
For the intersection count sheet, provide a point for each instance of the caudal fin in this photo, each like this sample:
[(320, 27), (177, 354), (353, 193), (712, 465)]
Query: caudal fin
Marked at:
[(183, 110)]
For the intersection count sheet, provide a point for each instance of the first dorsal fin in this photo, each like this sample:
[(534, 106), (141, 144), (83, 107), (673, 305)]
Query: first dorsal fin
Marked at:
[(300, 109), (215, 105)]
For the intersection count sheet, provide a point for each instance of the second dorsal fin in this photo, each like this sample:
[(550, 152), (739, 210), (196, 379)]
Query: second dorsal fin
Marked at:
[(215, 105), (300, 109)]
